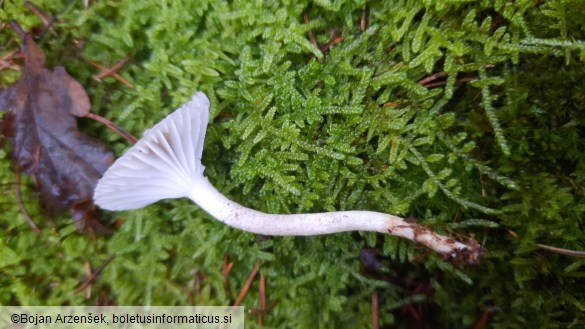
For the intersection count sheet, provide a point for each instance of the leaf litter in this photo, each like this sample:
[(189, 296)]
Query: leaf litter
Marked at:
[(66, 164)]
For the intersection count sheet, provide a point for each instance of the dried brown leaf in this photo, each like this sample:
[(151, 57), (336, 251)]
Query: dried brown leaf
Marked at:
[(65, 163)]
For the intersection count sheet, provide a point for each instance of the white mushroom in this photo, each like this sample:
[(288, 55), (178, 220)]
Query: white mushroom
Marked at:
[(166, 164)]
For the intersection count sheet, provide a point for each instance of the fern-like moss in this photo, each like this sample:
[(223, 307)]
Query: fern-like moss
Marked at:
[(465, 115)]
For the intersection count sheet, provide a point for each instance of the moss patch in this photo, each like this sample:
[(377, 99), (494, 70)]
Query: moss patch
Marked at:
[(468, 116)]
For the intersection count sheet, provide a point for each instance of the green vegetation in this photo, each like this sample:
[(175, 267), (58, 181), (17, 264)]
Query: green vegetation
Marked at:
[(493, 147)]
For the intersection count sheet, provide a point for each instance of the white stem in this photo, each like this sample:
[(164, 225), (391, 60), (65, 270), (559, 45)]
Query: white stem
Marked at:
[(233, 214)]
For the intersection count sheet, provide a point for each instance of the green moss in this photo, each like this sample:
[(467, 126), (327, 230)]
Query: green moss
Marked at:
[(297, 128)]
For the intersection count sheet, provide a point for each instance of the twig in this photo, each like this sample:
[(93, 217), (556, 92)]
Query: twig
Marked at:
[(512, 233), (443, 82), (483, 320), (311, 35), (334, 40), (23, 210), (4, 64), (129, 137), (113, 69), (433, 77), (7, 60), (227, 268), (247, 285), (93, 276), (196, 286), (310, 32), (258, 311), (262, 299), (17, 53), (466, 79), (414, 313), (47, 19), (199, 277), (375, 315), (113, 73), (568, 252), (88, 287), (391, 104), (18, 29), (364, 21)]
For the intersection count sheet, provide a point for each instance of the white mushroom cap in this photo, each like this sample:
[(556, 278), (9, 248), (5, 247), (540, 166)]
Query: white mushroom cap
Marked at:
[(164, 163)]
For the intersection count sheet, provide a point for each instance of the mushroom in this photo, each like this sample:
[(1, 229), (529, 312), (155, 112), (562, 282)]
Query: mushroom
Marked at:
[(166, 164)]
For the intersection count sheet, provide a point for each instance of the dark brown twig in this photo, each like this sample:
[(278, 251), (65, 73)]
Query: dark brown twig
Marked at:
[(227, 268), (375, 315), (432, 78), (92, 276), (433, 81), (310, 32), (18, 29), (262, 299), (129, 137), (311, 35), (247, 285), (483, 320), (48, 20), (258, 311), (111, 71), (466, 79), (334, 40), (413, 312), (22, 208)]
